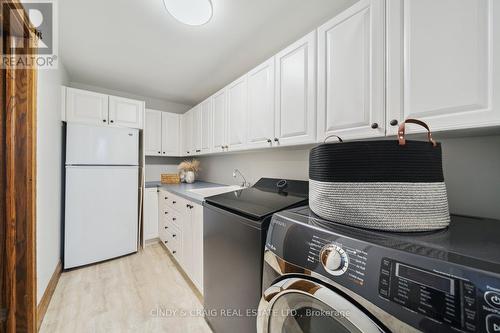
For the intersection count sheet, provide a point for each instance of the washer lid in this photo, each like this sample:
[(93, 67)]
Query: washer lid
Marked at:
[(266, 197)]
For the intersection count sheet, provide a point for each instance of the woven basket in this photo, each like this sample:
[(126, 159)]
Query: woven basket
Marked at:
[(384, 185), (170, 178)]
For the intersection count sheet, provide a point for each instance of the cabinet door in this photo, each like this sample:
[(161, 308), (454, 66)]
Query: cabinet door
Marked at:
[(296, 92), (219, 121), (150, 227), (260, 110), (196, 130), (236, 114), (170, 134), (187, 132), (351, 73), (125, 112), (197, 251), (86, 107), (206, 126), (152, 133), (444, 63)]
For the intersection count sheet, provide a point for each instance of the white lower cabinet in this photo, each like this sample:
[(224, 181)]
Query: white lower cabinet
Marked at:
[(150, 226), (181, 231)]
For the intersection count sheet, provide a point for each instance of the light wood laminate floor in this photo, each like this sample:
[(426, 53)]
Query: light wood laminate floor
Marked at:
[(143, 292)]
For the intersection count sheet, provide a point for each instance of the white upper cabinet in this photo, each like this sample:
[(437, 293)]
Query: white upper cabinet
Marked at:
[(444, 63), (187, 133), (260, 109), (219, 121), (152, 133), (170, 134), (236, 114), (296, 93), (206, 126), (162, 134), (126, 112), (87, 107), (351, 82), (196, 130)]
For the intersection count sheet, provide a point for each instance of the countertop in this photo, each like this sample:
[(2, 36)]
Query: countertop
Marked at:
[(182, 189)]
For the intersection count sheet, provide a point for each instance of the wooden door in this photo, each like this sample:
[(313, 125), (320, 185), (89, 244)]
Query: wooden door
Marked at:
[(443, 63), (260, 109), (351, 64), (17, 181), (152, 133), (296, 92)]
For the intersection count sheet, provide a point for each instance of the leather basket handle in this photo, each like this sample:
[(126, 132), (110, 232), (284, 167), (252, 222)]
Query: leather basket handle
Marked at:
[(333, 136), (402, 131)]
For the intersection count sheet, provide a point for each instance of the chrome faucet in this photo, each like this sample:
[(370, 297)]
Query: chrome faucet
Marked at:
[(244, 183)]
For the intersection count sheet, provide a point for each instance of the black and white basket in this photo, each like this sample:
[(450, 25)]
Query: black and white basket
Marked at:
[(385, 185)]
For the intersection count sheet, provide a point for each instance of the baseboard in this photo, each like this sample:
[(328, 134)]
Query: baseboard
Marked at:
[(47, 295), (152, 241)]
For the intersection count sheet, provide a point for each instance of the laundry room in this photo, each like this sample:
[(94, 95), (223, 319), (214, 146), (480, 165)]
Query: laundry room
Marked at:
[(250, 166)]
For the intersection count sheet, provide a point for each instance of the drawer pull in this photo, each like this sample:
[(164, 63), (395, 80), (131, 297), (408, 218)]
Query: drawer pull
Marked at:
[(166, 213), (166, 227), (174, 202), (174, 252), (166, 242), (166, 198), (174, 235), (174, 219)]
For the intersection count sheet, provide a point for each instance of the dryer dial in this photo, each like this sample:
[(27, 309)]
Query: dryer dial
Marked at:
[(334, 259)]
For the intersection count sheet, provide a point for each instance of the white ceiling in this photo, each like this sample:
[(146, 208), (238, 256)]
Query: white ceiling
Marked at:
[(135, 46)]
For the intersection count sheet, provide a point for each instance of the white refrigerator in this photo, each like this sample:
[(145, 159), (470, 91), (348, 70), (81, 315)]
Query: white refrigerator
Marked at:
[(101, 203)]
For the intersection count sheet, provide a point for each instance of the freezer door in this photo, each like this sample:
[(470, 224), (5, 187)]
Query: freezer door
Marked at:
[(99, 145), (101, 218)]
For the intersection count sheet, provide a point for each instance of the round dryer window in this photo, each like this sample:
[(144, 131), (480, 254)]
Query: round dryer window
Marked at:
[(297, 305)]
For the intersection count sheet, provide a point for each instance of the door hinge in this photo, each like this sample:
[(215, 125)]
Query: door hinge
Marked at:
[(3, 315)]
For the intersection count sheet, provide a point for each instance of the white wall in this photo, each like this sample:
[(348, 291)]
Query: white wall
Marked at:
[(155, 166), (151, 103), (471, 167), (49, 143)]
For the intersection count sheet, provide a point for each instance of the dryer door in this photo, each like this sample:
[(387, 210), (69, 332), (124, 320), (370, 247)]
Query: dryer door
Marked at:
[(304, 306)]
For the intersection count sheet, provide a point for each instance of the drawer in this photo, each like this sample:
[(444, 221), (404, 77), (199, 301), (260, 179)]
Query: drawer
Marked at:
[(175, 242), (172, 201)]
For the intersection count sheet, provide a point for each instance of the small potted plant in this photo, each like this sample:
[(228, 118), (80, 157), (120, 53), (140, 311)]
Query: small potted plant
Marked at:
[(190, 168)]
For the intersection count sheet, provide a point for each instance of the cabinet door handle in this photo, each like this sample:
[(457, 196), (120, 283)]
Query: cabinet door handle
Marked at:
[(164, 153), (276, 140), (269, 141), (174, 252), (394, 122), (374, 125), (166, 242), (198, 151), (104, 120), (174, 202), (166, 227), (159, 152), (174, 219), (174, 235), (166, 213), (166, 198), (111, 121)]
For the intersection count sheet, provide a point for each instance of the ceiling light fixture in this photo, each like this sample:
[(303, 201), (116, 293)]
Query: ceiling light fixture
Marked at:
[(190, 12)]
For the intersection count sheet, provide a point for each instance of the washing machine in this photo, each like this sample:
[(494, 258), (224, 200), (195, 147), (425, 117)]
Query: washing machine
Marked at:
[(320, 276)]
